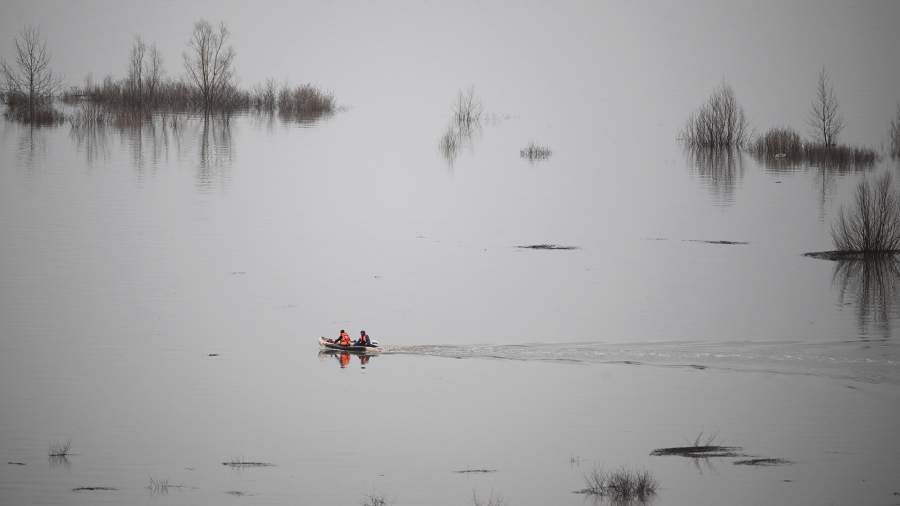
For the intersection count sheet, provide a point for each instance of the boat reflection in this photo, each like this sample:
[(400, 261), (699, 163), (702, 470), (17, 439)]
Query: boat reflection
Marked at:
[(344, 357)]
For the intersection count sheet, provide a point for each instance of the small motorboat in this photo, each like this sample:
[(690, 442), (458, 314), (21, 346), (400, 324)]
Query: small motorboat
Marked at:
[(329, 344)]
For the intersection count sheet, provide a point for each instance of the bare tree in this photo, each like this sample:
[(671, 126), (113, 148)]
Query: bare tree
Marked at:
[(895, 135), (872, 225), (719, 123), (29, 79), (135, 80), (153, 73), (208, 62), (824, 119)]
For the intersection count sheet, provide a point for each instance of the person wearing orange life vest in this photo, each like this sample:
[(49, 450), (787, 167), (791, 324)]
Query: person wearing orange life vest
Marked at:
[(363, 339), (344, 339)]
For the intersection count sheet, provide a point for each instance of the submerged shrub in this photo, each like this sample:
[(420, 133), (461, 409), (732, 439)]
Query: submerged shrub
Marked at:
[(621, 485), (778, 142), (720, 122), (304, 101), (872, 224)]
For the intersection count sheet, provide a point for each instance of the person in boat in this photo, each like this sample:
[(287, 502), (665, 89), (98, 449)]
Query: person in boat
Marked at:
[(363, 339), (344, 339)]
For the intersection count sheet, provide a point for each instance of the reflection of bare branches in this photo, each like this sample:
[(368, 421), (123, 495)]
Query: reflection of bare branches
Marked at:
[(872, 283), (721, 169), (215, 150), (31, 146)]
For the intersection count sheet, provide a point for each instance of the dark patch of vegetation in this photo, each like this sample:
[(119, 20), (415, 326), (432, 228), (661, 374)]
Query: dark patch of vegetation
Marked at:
[(93, 489), (701, 451), (621, 485), (700, 448), (783, 147), (762, 462), (547, 247), (778, 143), (209, 84), (237, 463), (58, 449), (467, 470), (534, 152), (212, 355), (236, 493), (13, 463), (304, 102), (719, 123), (732, 243), (872, 225)]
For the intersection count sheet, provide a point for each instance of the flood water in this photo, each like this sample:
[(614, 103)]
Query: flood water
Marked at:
[(163, 286)]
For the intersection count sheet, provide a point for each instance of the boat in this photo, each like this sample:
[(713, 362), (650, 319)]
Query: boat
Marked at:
[(331, 345)]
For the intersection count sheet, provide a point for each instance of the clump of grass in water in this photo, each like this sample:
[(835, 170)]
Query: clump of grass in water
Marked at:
[(60, 450), (534, 152), (620, 485), (701, 448)]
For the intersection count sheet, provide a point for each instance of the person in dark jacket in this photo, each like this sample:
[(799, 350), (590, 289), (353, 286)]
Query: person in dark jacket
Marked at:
[(363, 339)]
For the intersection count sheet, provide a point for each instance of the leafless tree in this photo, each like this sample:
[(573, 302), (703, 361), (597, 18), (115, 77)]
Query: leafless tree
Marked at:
[(29, 79), (719, 123), (895, 135), (144, 72), (135, 80), (872, 225), (209, 63), (824, 119)]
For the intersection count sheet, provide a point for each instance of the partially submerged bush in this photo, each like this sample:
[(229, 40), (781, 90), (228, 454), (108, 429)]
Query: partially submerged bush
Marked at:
[(719, 123), (58, 449), (621, 484), (304, 101), (778, 143), (535, 152), (872, 225), (785, 145)]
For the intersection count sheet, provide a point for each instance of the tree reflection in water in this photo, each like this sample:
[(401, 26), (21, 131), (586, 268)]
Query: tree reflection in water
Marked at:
[(720, 169), (870, 285)]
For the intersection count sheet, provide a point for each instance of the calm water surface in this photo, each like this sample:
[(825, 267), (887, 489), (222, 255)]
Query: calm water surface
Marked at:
[(129, 254)]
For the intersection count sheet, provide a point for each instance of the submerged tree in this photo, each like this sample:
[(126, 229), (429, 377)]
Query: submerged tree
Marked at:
[(209, 63), (872, 225), (29, 81), (719, 123), (824, 119), (895, 135), (144, 72)]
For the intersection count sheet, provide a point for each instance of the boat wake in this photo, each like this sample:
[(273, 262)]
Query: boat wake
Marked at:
[(860, 361)]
